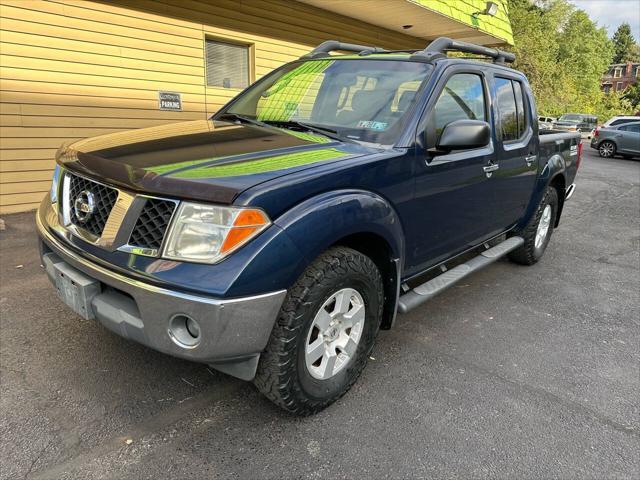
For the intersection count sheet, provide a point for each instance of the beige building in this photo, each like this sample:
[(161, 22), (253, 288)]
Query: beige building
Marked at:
[(71, 69)]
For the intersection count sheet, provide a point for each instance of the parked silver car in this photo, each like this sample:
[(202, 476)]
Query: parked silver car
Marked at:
[(618, 140), (546, 123)]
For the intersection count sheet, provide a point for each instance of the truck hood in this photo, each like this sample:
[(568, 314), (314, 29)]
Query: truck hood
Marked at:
[(204, 160)]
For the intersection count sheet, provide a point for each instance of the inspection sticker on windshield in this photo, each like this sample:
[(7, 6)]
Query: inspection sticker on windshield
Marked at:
[(372, 125)]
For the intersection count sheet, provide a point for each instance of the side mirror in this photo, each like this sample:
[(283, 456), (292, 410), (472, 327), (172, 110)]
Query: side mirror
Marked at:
[(464, 135)]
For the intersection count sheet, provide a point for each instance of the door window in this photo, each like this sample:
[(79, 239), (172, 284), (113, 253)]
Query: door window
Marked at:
[(631, 128), (522, 118), (511, 109), (461, 99)]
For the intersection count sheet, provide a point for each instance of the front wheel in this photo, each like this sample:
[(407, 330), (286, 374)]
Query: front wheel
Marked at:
[(324, 334), (607, 149), (538, 232)]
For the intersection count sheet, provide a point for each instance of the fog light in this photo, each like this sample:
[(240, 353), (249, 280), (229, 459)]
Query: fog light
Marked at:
[(184, 331)]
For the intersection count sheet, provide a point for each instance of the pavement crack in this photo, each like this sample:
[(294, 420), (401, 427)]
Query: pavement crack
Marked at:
[(36, 459)]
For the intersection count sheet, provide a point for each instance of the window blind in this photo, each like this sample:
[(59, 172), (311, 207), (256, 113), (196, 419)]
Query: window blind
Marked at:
[(227, 64)]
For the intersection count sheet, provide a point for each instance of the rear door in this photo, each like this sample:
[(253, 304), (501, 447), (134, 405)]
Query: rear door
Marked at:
[(453, 205), (516, 150)]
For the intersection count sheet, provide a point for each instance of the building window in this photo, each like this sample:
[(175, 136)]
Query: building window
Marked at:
[(227, 64), (617, 72), (619, 86)]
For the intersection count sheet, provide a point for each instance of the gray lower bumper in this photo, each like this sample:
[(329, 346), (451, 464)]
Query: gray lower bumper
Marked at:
[(230, 329)]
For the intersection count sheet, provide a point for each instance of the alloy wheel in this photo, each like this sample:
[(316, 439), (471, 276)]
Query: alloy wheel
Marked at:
[(335, 333)]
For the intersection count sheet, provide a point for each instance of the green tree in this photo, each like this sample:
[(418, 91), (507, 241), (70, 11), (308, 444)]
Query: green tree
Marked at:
[(564, 54), (584, 53), (623, 43), (632, 95), (634, 55)]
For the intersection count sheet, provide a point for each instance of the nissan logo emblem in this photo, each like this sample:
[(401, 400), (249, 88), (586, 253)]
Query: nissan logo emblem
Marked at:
[(84, 205)]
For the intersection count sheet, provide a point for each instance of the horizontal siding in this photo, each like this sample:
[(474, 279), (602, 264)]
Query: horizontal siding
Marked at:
[(72, 69)]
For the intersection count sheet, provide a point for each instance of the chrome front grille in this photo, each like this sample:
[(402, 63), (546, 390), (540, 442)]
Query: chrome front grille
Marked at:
[(112, 218), (103, 200), (152, 223)]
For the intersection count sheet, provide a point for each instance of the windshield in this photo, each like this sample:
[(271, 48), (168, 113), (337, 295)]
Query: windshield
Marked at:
[(360, 99)]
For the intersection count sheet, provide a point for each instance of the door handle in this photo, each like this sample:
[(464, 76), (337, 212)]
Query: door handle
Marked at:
[(489, 169), (530, 159)]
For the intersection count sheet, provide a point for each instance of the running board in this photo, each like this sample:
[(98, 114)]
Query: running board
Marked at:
[(426, 291)]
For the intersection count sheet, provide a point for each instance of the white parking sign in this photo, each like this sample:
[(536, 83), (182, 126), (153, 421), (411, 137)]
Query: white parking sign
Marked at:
[(169, 101)]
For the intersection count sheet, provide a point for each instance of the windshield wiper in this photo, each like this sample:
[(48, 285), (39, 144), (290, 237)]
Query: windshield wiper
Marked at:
[(242, 118), (327, 132)]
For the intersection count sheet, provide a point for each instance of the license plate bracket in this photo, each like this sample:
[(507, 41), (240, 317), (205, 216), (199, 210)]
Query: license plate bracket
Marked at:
[(75, 289)]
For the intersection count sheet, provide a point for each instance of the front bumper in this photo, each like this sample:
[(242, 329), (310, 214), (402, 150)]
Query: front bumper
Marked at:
[(231, 330)]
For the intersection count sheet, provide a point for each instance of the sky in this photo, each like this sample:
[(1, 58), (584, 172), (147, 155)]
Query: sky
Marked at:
[(611, 13)]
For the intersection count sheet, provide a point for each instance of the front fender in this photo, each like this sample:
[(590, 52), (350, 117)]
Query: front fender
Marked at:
[(321, 221), (556, 165), (276, 260)]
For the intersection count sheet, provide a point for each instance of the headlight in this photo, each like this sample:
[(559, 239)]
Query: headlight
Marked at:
[(207, 233), (53, 192)]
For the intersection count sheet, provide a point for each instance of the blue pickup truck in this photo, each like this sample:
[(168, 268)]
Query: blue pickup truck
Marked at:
[(273, 241)]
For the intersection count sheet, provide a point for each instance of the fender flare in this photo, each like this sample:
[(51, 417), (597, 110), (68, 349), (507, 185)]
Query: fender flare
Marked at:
[(319, 222), (277, 258), (324, 220), (555, 167)]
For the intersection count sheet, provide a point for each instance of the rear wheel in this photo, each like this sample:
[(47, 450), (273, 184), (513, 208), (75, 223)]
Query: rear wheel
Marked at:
[(538, 232), (607, 149), (324, 334)]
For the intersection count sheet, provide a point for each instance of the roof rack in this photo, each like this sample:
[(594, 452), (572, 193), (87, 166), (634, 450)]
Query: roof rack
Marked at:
[(435, 50), (441, 45), (330, 45)]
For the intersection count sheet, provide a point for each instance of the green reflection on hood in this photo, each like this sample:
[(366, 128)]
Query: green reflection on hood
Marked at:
[(263, 165)]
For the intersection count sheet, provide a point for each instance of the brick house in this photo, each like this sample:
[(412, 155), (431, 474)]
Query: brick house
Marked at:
[(619, 76)]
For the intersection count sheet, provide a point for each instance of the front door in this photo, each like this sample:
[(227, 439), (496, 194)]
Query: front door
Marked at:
[(453, 206)]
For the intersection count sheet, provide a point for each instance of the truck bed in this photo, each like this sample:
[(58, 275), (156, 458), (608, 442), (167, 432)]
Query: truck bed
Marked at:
[(565, 144)]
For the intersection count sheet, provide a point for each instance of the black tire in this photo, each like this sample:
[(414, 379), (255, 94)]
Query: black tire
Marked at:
[(282, 374), (528, 254), (607, 149)]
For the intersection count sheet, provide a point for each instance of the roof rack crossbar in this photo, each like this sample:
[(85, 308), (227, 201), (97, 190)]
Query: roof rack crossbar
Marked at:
[(330, 45), (439, 47)]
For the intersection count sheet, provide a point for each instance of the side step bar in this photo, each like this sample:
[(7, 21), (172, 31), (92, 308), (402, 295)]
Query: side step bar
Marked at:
[(427, 290)]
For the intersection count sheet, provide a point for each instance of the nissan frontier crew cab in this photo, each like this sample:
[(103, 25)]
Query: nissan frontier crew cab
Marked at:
[(273, 241)]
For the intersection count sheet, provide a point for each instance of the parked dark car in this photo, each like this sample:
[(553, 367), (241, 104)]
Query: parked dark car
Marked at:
[(581, 122), (622, 139), (274, 241)]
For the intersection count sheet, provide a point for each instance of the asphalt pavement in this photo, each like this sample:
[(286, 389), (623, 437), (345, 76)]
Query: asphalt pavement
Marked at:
[(518, 372)]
